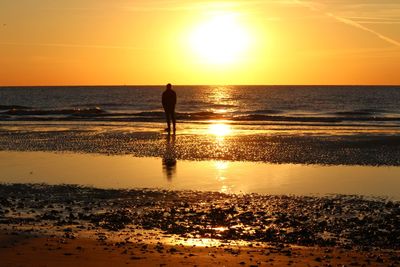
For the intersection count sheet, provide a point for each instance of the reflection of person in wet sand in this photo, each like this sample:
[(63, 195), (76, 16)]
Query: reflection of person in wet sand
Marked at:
[(169, 157), (169, 102)]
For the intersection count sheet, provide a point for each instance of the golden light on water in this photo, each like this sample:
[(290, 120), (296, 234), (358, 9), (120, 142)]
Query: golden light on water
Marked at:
[(221, 111), (224, 189), (220, 129), (221, 229), (221, 165)]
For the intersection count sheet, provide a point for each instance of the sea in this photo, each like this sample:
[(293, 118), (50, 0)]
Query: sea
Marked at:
[(302, 140), (352, 106)]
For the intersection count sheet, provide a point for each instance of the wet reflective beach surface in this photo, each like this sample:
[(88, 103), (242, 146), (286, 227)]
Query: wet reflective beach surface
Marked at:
[(211, 156), (212, 183), (213, 140), (102, 171)]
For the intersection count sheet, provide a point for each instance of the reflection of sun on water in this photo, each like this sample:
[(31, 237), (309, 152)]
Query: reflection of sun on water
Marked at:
[(220, 229), (220, 129), (221, 111), (222, 97), (224, 189), (220, 94), (221, 165)]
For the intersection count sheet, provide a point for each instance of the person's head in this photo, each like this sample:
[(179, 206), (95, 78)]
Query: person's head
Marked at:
[(169, 86)]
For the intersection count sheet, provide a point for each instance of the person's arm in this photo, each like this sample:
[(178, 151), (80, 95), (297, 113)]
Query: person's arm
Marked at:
[(163, 99)]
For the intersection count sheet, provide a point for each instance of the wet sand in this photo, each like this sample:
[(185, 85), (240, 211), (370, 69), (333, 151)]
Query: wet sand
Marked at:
[(33, 250), (126, 171), (330, 149), (72, 225), (298, 220), (65, 225)]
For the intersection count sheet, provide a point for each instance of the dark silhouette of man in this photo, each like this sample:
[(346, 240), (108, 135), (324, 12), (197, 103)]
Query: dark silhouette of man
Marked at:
[(169, 102)]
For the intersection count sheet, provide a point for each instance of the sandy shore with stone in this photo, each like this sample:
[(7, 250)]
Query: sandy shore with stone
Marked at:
[(28, 249), (44, 225)]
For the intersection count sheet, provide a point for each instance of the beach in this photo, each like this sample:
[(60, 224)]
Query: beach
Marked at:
[(273, 146), (199, 133), (97, 186), (65, 225), (59, 251)]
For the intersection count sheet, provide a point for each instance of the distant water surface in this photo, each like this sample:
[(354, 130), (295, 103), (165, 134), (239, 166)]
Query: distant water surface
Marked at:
[(221, 130), (367, 106)]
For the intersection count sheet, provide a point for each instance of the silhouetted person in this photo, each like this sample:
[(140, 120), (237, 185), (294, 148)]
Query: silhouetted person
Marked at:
[(169, 157), (169, 102)]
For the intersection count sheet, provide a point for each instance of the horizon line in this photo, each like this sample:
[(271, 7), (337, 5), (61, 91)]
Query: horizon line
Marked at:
[(128, 85)]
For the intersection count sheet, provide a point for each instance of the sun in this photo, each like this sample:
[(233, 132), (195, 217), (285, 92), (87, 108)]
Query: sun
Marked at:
[(222, 39)]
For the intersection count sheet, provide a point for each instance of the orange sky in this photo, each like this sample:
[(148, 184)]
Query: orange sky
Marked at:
[(97, 42)]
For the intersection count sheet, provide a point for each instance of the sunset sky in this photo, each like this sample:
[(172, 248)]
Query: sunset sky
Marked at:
[(116, 42)]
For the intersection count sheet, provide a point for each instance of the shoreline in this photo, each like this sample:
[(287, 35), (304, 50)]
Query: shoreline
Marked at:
[(343, 149), (129, 172)]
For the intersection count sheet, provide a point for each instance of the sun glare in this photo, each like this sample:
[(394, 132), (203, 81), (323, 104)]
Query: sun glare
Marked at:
[(220, 40), (220, 129)]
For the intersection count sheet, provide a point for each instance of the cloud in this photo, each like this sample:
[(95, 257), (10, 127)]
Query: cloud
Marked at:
[(166, 5), (391, 52), (359, 26), (72, 45), (374, 20), (349, 22), (192, 5)]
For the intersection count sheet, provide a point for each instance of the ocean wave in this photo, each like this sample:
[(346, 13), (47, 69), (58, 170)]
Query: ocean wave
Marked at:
[(360, 112), (98, 105), (39, 112), (268, 115), (202, 115), (267, 111), (259, 117), (6, 107), (147, 114)]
